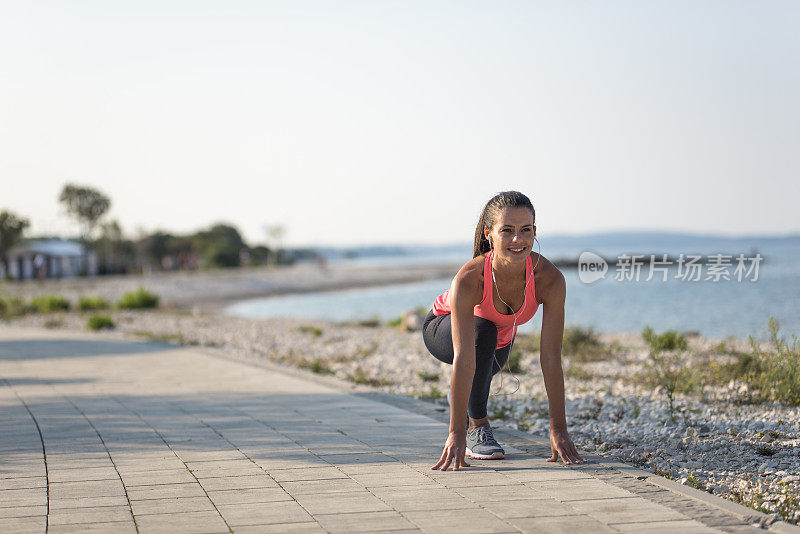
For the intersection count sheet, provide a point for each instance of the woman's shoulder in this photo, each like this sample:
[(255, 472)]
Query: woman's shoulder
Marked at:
[(548, 277), (469, 278)]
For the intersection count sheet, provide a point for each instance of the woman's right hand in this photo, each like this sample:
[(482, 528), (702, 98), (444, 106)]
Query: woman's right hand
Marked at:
[(455, 449)]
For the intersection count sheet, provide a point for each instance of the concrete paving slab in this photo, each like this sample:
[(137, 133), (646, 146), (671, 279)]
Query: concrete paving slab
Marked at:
[(686, 526), (165, 491), (171, 505), (329, 503), (281, 528), (248, 496), (625, 510), (23, 524), (121, 527), (187, 522), (388, 521), (562, 525), (66, 516), (238, 515)]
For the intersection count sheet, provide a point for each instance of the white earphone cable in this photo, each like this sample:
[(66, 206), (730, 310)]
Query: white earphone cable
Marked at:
[(514, 327)]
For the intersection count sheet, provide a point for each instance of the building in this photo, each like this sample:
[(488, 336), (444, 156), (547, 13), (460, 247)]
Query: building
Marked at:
[(52, 258)]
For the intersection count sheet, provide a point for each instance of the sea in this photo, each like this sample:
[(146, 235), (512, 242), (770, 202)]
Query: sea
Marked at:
[(717, 286)]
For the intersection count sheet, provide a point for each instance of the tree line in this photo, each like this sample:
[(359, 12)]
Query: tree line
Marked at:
[(220, 245)]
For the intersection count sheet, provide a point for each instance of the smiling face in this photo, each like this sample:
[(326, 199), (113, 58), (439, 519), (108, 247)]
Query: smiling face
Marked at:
[(512, 233)]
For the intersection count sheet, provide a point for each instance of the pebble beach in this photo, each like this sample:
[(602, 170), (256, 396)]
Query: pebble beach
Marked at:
[(718, 441)]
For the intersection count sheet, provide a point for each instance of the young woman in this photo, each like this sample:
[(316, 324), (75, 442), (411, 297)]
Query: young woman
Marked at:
[(473, 324)]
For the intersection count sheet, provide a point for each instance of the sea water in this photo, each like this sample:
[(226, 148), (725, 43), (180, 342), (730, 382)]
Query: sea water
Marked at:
[(612, 304)]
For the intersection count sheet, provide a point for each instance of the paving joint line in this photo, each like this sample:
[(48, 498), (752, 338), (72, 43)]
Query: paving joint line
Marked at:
[(108, 452), (44, 455), (248, 457), (376, 451), (257, 420), (178, 456)]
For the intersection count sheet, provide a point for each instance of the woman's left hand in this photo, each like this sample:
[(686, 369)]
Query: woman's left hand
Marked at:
[(561, 446)]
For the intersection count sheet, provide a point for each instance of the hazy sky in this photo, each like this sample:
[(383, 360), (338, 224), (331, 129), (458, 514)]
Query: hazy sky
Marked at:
[(393, 122)]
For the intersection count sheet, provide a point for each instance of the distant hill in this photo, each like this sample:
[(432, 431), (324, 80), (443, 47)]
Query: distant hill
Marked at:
[(632, 241)]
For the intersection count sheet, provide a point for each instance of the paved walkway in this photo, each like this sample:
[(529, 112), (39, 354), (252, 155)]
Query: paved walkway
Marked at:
[(142, 437)]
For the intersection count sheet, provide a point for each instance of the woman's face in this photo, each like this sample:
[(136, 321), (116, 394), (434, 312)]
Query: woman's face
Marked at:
[(512, 233)]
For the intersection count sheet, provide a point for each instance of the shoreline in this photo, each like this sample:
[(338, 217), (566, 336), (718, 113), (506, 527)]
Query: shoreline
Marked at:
[(214, 289)]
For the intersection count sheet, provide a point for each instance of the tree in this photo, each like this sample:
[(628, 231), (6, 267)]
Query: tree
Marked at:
[(274, 233), (114, 251), (86, 205), (11, 228), (219, 246)]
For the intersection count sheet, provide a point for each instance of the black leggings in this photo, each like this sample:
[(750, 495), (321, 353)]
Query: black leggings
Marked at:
[(437, 333)]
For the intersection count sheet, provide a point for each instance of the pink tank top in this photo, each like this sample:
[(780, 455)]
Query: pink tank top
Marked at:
[(505, 323)]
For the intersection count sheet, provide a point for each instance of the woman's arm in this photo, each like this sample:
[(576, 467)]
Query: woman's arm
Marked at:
[(553, 300), (463, 299)]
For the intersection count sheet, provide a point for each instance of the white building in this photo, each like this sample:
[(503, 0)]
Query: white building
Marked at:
[(54, 258)]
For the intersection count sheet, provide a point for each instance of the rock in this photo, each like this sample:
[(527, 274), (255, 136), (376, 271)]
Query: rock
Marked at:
[(704, 429), (756, 425), (412, 321), (691, 432)]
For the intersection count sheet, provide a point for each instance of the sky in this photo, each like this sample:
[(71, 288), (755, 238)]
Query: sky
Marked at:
[(389, 122)]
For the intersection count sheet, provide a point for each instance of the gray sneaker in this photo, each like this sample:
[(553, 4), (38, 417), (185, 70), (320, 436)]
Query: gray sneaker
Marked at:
[(482, 445)]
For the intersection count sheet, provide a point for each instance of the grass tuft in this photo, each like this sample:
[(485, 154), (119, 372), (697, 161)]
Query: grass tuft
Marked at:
[(139, 299), (92, 303), (49, 303), (427, 376), (99, 322), (310, 329)]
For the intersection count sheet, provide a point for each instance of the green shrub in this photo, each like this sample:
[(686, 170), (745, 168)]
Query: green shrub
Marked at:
[(92, 303), (427, 376), (313, 330), (431, 394), (141, 298), (394, 323), (578, 372), (514, 363), (49, 303), (164, 337), (584, 344), (12, 306), (360, 377), (529, 342), (99, 322), (317, 365), (775, 373), (669, 366), (669, 340)]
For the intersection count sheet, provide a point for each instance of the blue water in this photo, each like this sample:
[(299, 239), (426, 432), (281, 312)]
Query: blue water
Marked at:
[(715, 309)]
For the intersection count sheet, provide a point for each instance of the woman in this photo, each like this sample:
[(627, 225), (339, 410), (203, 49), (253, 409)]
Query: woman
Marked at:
[(473, 324)]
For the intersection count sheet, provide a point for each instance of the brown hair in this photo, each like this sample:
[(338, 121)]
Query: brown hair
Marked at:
[(505, 199)]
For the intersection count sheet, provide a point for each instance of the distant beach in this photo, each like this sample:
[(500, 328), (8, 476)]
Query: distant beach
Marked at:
[(215, 289)]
